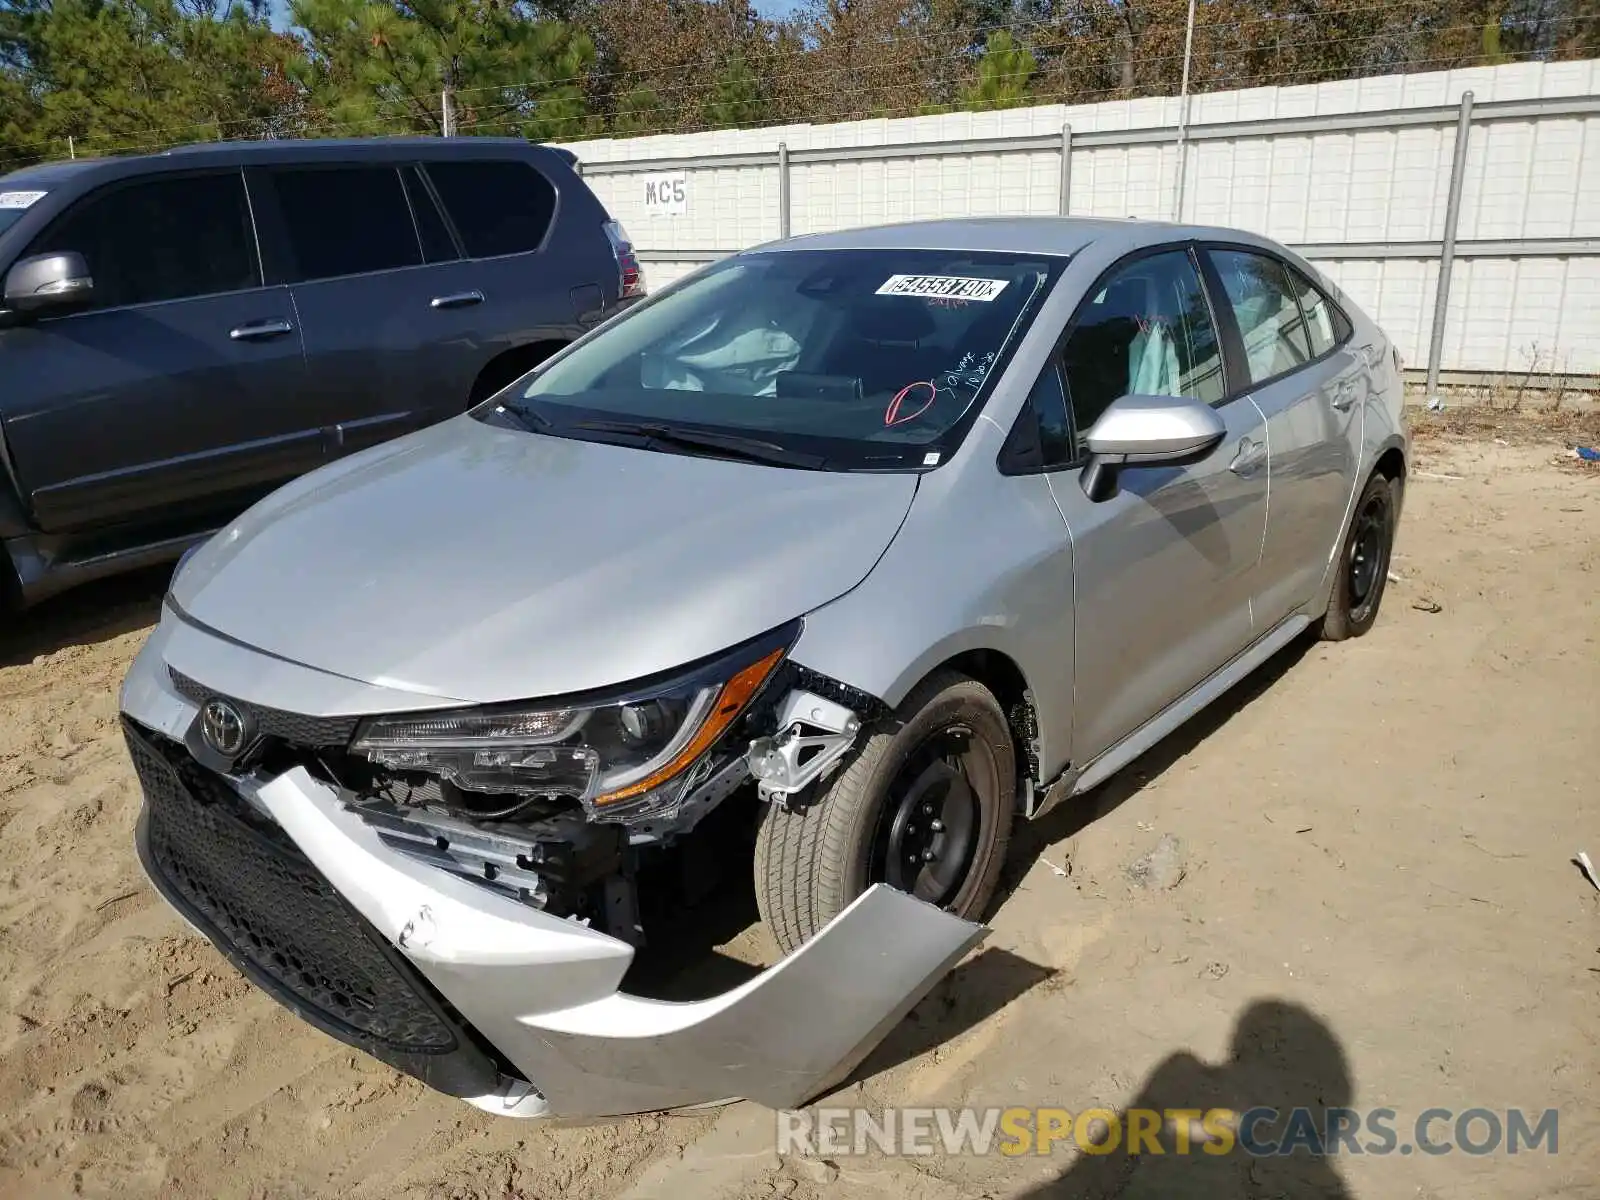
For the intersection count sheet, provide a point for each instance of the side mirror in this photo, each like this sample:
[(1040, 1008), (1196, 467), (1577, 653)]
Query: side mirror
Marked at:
[(48, 283), (1147, 431)]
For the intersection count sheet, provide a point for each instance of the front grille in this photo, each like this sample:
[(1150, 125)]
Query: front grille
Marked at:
[(294, 728), (250, 889)]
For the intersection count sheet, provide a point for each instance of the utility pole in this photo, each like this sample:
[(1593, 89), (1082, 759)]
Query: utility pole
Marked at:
[(448, 100), (1183, 111)]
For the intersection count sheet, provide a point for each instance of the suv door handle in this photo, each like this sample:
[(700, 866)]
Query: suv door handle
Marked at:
[(456, 300), (1344, 396), (260, 331)]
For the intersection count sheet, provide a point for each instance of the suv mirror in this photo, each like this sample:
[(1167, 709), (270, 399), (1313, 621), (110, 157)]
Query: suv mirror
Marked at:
[(48, 283), (1147, 431)]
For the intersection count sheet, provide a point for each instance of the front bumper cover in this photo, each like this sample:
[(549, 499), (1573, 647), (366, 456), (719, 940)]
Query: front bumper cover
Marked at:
[(534, 997)]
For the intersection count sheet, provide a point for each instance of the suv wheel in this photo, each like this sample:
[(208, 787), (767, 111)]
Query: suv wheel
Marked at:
[(926, 806)]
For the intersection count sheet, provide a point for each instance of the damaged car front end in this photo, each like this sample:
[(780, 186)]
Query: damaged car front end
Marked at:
[(478, 939), (414, 731)]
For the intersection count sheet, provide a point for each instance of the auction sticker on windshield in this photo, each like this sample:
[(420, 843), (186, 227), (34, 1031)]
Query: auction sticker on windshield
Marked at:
[(942, 287), (20, 199)]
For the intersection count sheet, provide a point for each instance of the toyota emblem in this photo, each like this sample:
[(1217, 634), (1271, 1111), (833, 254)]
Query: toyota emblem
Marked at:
[(223, 727)]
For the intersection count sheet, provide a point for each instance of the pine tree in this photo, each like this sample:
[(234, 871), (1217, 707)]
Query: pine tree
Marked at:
[(380, 67), (121, 75), (735, 98), (1003, 74)]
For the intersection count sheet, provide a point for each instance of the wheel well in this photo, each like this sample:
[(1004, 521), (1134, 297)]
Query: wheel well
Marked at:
[(1392, 464), (1002, 676), (504, 368)]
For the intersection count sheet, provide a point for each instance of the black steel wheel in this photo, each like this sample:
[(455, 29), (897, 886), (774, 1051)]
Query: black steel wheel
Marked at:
[(928, 832), (1364, 565)]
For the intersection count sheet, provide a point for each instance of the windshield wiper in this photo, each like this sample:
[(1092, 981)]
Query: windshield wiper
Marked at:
[(530, 419), (727, 445)]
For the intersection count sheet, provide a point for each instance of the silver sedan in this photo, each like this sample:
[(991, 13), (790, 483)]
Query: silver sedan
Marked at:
[(849, 552)]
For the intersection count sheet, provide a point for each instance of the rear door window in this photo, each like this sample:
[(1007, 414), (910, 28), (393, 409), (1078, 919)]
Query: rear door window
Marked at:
[(167, 238), (1326, 326), (498, 207), (344, 221), (1268, 315), (437, 244)]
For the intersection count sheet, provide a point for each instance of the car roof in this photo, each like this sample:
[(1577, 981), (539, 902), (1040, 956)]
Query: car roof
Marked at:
[(1015, 235), (49, 174), (273, 150)]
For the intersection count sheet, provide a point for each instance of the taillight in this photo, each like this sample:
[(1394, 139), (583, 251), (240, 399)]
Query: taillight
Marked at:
[(630, 274)]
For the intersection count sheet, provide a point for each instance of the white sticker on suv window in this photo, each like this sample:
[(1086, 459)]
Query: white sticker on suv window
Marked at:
[(19, 199), (942, 287)]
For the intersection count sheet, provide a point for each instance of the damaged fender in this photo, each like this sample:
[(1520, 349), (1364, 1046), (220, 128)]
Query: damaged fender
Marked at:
[(543, 989)]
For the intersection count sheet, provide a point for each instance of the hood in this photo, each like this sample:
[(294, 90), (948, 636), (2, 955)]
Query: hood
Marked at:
[(481, 564)]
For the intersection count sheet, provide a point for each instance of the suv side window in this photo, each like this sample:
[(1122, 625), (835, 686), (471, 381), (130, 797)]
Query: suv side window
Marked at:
[(499, 207), (1267, 313), (1146, 330), (437, 244), (165, 238), (344, 221)]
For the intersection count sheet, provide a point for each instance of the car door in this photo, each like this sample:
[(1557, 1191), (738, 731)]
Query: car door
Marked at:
[(1310, 385), (1164, 569), (386, 347), (179, 388)]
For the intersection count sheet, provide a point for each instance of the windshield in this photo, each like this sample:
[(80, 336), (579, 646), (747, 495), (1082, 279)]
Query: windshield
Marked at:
[(857, 359), (14, 201)]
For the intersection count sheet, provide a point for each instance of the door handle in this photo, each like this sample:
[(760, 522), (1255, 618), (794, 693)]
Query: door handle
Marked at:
[(456, 300), (1344, 396), (1251, 454), (260, 331)]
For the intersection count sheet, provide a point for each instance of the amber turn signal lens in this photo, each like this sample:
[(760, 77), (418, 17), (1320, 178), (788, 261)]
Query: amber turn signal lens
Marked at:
[(735, 694)]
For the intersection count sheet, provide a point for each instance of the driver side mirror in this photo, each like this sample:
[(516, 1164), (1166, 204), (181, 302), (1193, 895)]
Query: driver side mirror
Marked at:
[(46, 283), (1147, 431)]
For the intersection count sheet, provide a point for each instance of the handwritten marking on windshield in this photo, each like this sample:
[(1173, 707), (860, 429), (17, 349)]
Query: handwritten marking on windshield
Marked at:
[(893, 416)]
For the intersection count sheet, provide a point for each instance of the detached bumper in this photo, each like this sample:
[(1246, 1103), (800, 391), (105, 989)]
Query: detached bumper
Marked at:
[(511, 1008)]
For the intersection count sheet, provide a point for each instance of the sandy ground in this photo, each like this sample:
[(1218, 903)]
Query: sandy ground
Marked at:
[(1373, 905)]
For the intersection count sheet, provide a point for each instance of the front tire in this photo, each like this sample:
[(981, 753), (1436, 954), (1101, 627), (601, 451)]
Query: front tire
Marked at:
[(1364, 563), (926, 805)]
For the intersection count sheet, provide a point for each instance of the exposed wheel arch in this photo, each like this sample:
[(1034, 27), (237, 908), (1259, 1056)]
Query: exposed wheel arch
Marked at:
[(505, 367), (1392, 466), (1001, 674)]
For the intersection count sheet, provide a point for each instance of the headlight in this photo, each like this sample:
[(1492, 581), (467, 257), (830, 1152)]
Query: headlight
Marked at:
[(623, 756)]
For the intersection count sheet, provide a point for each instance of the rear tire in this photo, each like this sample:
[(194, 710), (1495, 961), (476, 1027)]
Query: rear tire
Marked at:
[(1363, 569), (925, 805)]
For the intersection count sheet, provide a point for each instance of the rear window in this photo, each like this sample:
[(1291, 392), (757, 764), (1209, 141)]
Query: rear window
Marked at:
[(870, 359), (344, 221), (497, 207)]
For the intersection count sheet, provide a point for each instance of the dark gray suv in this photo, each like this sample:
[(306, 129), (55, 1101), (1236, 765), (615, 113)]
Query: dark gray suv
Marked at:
[(182, 332)]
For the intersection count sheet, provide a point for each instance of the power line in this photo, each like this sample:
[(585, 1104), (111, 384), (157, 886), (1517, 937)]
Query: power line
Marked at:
[(305, 119)]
